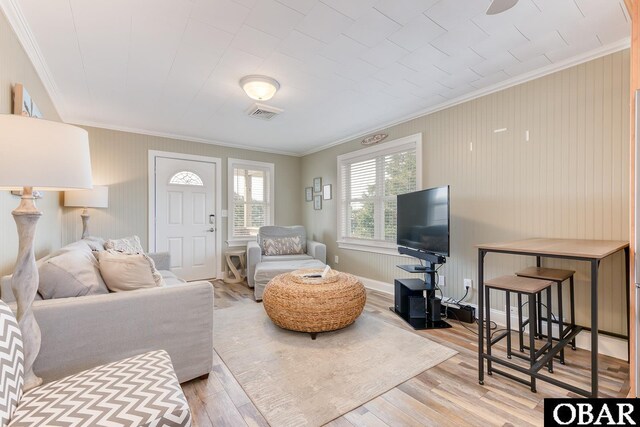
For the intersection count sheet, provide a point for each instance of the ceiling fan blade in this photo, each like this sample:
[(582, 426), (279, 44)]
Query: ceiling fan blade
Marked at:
[(499, 6)]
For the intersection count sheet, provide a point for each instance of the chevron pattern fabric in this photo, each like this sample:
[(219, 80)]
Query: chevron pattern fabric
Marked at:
[(282, 245), (11, 364), (139, 391)]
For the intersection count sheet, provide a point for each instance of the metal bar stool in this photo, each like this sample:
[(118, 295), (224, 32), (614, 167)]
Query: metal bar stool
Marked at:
[(520, 286), (558, 276)]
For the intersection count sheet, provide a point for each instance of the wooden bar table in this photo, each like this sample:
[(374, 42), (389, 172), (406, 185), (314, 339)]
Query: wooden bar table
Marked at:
[(591, 251)]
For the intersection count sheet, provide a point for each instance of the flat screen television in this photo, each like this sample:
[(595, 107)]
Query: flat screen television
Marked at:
[(423, 220)]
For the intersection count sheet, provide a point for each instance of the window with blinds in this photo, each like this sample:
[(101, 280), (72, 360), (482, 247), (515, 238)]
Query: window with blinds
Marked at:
[(250, 197), (369, 181)]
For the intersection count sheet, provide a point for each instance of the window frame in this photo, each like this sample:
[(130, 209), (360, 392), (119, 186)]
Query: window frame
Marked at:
[(232, 164), (373, 245)]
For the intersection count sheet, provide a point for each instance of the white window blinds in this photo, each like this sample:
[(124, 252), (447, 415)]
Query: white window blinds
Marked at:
[(250, 204), (369, 182)]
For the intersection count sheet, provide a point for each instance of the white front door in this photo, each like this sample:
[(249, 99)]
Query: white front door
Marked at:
[(185, 223)]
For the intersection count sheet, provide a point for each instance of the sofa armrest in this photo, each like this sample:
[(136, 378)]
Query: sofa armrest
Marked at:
[(6, 293), (254, 256), (161, 259), (84, 332), (317, 250)]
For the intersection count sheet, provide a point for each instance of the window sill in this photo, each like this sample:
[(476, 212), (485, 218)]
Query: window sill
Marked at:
[(240, 241), (374, 247)]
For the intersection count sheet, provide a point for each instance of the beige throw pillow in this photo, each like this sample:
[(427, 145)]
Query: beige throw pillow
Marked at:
[(127, 272), (72, 271)]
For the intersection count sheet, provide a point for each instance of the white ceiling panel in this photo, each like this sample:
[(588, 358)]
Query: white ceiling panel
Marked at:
[(451, 41), (372, 28), (539, 46), (302, 6), (255, 42), (300, 46), (354, 9), (223, 14), (343, 49), (424, 58), (418, 31), (324, 23), (453, 14), (383, 54), (173, 66), (403, 11), (495, 63), (273, 18), (527, 66), (463, 58)]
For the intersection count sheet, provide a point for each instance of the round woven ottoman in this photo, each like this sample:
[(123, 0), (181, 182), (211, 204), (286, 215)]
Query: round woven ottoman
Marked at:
[(314, 305)]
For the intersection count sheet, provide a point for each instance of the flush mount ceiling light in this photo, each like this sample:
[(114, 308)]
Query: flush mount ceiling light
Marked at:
[(260, 88)]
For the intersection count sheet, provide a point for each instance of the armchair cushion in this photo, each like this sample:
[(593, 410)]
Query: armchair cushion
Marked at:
[(140, 391)]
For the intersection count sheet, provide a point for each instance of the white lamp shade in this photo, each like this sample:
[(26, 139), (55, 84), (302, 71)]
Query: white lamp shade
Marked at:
[(97, 197), (43, 154)]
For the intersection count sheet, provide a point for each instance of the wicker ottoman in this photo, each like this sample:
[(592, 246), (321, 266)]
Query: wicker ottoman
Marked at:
[(314, 305)]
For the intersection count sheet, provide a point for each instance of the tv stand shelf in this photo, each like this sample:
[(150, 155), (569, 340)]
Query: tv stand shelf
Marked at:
[(415, 268), (410, 302)]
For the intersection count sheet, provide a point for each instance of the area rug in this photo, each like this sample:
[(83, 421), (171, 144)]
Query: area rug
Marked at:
[(296, 381)]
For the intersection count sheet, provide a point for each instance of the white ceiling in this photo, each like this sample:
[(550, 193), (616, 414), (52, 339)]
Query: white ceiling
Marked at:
[(345, 67)]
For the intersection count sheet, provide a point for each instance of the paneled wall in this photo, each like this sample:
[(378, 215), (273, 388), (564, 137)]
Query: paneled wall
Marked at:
[(570, 180), (15, 67), (120, 160)]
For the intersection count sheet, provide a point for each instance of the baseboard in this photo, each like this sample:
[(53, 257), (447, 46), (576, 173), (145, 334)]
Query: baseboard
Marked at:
[(608, 346), (376, 285)]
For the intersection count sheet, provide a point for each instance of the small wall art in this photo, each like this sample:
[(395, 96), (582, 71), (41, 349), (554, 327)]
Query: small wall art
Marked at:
[(23, 105), (326, 192), (317, 185), (317, 202), (308, 194)]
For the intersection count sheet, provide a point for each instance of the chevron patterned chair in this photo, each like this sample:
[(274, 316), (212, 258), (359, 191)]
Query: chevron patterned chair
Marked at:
[(139, 391)]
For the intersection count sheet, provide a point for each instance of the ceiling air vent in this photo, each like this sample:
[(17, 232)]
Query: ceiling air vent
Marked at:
[(263, 112)]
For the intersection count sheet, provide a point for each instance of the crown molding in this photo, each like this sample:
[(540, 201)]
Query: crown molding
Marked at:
[(541, 72), (181, 137), (18, 22)]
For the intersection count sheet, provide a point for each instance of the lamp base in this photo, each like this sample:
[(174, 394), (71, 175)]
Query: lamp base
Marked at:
[(24, 283), (85, 223)]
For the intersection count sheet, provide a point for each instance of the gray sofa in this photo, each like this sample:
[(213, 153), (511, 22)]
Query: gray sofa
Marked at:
[(262, 268), (79, 333)]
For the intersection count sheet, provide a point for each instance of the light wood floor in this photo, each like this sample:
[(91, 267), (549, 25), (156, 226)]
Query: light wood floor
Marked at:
[(448, 394)]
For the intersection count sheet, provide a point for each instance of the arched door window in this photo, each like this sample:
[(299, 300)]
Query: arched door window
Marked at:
[(186, 178)]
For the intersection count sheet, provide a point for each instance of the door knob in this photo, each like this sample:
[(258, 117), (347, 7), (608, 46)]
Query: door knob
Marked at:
[(210, 230)]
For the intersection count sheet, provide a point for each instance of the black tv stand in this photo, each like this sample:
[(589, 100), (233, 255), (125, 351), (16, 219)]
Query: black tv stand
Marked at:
[(410, 302)]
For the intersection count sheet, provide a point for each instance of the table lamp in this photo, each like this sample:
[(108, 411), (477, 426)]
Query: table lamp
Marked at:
[(45, 155), (97, 197)]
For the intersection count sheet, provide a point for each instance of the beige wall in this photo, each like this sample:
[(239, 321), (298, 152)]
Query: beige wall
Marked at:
[(15, 67), (569, 181), (120, 160)]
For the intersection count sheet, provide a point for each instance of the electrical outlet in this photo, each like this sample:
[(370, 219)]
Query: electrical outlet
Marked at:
[(468, 283), (441, 281), (335, 259)]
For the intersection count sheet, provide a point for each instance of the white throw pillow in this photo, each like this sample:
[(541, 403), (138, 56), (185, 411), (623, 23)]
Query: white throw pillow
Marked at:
[(127, 245), (128, 272), (72, 271)]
